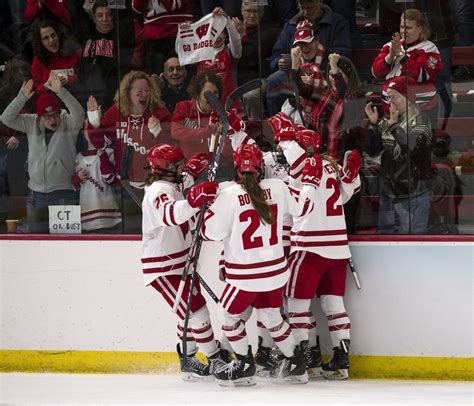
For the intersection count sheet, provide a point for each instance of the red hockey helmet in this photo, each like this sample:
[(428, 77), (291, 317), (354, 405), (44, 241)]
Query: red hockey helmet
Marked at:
[(248, 158), (308, 139), (164, 157)]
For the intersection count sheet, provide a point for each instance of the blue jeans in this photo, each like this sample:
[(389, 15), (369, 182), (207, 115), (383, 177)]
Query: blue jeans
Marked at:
[(37, 207), (404, 216), (464, 13)]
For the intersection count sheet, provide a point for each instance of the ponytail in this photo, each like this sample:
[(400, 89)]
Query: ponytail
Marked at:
[(251, 186)]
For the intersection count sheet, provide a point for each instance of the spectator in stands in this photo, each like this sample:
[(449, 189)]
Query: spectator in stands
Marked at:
[(94, 178), (53, 53), (404, 140), (277, 10), (255, 53), (47, 9), (410, 53), (106, 53), (174, 82), (191, 125), (306, 57), (134, 123), (334, 35), (52, 135), (464, 12), (226, 58), (12, 157), (336, 113), (161, 20)]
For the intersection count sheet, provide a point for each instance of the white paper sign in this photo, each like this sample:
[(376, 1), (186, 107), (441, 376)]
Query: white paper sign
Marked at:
[(196, 43), (65, 219)]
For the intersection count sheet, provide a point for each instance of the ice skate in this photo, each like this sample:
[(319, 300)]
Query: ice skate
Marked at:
[(314, 360), (293, 369), (238, 372), (191, 368), (337, 368), (267, 361)]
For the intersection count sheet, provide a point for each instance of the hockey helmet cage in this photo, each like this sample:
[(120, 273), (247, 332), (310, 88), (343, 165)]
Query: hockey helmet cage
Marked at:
[(164, 157), (248, 158)]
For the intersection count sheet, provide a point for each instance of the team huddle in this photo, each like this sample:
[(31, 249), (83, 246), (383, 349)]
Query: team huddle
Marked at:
[(284, 242)]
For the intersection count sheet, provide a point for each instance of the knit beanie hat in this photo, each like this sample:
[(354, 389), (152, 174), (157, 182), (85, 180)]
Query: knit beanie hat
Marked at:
[(406, 88), (47, 103)]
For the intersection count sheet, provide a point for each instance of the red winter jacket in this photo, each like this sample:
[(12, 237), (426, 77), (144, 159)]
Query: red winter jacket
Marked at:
[(162, 17), (422, 62), (57, 7), (40, 72)]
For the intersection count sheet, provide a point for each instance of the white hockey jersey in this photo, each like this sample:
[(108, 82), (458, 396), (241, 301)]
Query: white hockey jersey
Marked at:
[(166, 230), (324, 230), (272, 170), (253, 251), (99, 206)]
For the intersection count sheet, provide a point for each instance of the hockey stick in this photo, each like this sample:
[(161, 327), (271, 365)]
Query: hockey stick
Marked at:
[(124, 167), (215, 152), (197, 239), (354, 274), (240, 91)]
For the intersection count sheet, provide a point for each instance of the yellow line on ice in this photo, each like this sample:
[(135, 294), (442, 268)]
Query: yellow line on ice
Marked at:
[(117, 362)]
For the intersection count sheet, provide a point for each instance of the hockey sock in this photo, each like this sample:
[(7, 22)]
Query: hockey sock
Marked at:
[(200, 323), (299, 317), (338, 321), (267, 340), (312, 332), (278, 328), (190, 341)]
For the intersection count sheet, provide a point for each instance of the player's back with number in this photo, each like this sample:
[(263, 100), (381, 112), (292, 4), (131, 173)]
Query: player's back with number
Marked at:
[(253, 249), (324, 230)]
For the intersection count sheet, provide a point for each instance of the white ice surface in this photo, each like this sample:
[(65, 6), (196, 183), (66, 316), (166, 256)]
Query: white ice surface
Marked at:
[(67, 389)]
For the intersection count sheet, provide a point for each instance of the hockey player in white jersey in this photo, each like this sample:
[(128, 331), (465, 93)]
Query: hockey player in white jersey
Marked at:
[(276, 166), (319, 257), (247, 217), (166, 242)]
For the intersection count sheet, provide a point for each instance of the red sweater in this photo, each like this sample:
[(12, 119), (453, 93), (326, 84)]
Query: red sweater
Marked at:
[(133, 130), (190, 128), (40, 72), (422, 62), (162, 17), (57, 7)]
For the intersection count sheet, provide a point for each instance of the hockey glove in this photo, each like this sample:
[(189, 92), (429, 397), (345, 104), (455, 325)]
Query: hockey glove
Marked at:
[(352, 166), (312, 171), (236, 124), (285, 134), (204, 192), (279, 121), (197, 164)]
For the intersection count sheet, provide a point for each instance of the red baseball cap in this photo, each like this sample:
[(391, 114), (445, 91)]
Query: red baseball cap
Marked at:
[(405, 86), (304, 32)]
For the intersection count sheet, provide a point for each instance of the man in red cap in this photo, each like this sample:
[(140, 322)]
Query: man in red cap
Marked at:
[(52, 135), (405, 140)]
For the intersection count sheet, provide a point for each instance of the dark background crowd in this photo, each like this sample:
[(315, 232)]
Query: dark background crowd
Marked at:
[(98, 82)]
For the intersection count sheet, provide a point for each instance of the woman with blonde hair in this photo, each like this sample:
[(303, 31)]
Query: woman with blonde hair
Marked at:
[(136, 121), (410, 53)]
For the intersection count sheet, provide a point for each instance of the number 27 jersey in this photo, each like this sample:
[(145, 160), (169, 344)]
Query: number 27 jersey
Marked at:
[(253, 250)]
